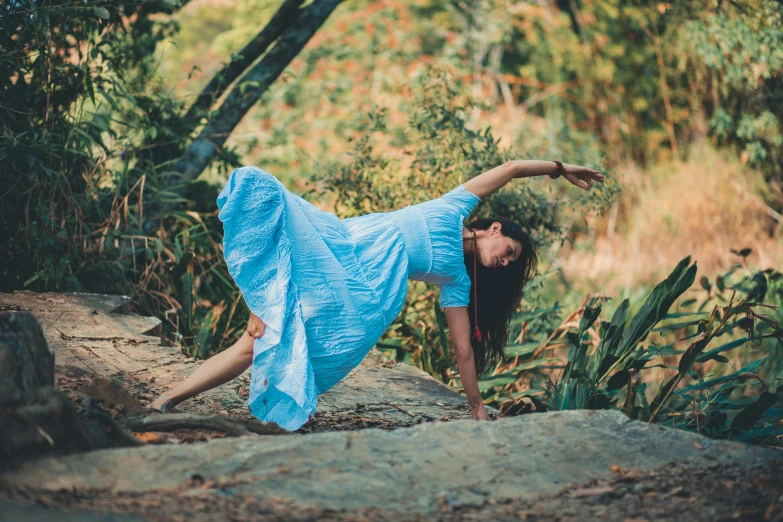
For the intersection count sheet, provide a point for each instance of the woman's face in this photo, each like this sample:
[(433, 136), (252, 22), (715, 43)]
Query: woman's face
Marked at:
[(495, 249)]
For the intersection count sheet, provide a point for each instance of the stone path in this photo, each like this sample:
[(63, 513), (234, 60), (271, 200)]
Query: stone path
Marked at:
[(414, 472), (94, 332)]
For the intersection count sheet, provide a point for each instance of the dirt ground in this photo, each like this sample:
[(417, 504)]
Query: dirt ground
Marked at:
[(718, 494)]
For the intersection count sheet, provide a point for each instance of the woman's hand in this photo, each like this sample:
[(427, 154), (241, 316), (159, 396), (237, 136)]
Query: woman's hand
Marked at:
[(582, 177), (255, 326), (480, 414)]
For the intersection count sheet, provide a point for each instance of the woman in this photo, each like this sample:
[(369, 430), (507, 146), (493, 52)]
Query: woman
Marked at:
[(322, 290)]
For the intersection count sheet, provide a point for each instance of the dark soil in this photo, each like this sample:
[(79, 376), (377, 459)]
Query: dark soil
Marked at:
[(721, 493)]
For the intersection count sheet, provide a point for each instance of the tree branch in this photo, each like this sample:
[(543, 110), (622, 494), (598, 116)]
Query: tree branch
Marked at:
[(178, 421), (280, 22), (251, 86)]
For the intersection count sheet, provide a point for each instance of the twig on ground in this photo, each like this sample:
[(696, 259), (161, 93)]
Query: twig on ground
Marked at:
[(178, 421)]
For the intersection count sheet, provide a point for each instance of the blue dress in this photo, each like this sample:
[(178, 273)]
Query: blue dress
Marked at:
[(327, 288)]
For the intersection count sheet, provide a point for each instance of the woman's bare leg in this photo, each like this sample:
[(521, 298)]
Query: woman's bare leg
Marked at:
[(218, 369)]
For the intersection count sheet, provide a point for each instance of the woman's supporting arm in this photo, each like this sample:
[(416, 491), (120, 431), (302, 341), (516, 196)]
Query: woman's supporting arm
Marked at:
[(459, 328), (494, 179)]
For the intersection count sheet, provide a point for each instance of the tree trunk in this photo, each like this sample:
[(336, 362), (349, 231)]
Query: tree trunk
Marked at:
[(250, 88), (281, 21)]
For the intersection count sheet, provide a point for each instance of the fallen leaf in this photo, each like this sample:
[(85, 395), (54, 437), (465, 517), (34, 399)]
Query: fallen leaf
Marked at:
[(698, 446), (148, 436), (616, 468)]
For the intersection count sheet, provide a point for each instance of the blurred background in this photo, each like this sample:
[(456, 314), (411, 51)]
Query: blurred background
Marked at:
[(121, 121)]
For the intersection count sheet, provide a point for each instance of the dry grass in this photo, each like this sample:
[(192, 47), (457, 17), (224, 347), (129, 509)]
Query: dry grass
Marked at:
[(703, 207)]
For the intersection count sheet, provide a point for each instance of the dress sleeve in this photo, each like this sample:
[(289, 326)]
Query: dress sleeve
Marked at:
[(455, 292), (462, 199)]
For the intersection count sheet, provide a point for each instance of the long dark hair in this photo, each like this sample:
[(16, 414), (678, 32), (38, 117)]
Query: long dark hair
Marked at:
[(499, 293)]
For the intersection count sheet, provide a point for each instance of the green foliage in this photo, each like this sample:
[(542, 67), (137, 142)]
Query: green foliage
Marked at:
[(609, 364), (88, 203), (742, 53), (438, 150)]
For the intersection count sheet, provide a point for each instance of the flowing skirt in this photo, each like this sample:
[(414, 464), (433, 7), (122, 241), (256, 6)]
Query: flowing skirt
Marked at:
[(326, 289)]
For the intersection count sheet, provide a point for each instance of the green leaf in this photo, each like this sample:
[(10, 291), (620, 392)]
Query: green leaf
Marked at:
[(657, 304), (496, 380), (546, 362), (187, 297), (618, 380), (663, 394), (533, 314), (102, 13), (677, 315), (703, 385), (676, 326), (33, 278), (692, 353), (713, 354), (749, 416), (89, 87), (109, 98), (731, 270), (605, 356), (520, 350), (203, 338), (590, 315)]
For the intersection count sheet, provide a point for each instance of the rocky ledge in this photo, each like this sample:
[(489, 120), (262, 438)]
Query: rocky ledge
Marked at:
[(427, 459)]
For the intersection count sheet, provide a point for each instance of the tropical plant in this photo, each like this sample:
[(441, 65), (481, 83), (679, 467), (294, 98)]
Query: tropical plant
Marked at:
[(608, 361)]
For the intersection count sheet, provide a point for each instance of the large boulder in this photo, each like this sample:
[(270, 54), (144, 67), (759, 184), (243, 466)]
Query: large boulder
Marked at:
[(26, 362), (35, 418)]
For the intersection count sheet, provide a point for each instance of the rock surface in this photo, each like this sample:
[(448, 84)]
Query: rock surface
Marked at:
[(20, 511), (417, 470), (26, 362), (93, 332), (408, 470), (35, 418)]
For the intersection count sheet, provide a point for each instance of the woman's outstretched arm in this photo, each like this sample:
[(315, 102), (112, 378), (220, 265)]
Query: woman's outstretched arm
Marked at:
[(494, 179), (459, 328)]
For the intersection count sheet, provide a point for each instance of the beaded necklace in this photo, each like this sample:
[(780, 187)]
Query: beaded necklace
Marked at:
[(475, 287)]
